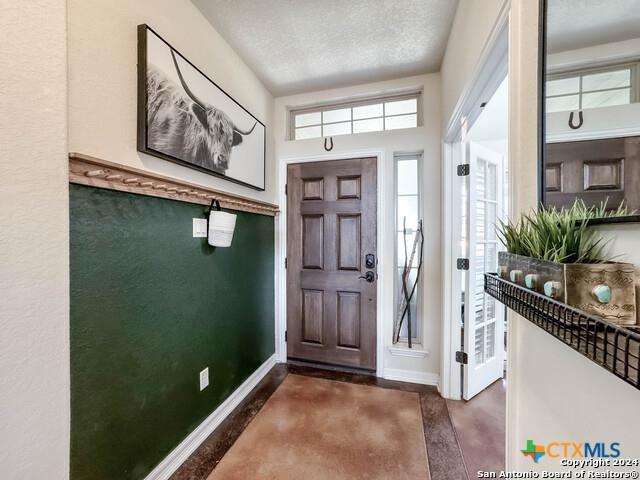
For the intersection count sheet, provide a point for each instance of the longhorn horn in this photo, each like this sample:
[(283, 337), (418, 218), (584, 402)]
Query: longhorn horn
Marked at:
[(247, 132), (184, 84)]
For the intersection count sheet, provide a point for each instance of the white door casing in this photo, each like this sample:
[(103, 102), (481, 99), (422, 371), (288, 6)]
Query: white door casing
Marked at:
[(484, 316), (491, 68)]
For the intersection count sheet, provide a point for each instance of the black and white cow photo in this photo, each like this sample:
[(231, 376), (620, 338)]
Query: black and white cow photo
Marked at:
[(188, 119)]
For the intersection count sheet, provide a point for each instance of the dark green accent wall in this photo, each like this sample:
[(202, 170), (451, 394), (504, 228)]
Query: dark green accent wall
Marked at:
[(150, 308)]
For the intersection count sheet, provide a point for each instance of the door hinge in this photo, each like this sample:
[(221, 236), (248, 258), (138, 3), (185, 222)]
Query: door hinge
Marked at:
[(285, 263), (286, 188), (462, 357), (286, 337), (464, 170), (462, 264)]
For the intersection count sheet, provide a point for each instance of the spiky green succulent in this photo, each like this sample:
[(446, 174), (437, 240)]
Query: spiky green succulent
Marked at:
[(559, 235)]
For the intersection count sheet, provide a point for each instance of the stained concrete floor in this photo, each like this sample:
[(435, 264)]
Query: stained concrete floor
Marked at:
[(480, 427), (444, 458), (316, 429)]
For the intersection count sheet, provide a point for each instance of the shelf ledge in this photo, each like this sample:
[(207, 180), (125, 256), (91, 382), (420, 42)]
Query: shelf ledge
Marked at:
[(614, 347), (95, 172), (405, 351)]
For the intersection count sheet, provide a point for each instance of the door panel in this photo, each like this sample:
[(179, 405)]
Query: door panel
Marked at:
[(348, 187), (595, 171), (312, 318), (349, 319), (348, 242), (483, 316), (331, 227), (313, 189), (313, 241)]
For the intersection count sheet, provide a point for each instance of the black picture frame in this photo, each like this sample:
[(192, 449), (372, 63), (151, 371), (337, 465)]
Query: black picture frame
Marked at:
[(542, 76), (142, 114)]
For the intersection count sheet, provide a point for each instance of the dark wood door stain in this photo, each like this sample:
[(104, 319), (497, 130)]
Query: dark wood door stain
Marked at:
[(594, 171), (331, 227)]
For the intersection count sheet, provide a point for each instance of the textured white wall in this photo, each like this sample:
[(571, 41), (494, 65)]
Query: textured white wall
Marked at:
[(554, 393), (425, 138), (471, 28), (103, 80), (34, 241)]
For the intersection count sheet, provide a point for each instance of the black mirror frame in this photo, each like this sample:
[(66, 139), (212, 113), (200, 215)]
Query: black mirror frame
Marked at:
[(542, 75)]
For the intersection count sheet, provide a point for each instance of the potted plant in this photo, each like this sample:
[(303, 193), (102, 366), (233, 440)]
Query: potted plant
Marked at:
[(556, 252)]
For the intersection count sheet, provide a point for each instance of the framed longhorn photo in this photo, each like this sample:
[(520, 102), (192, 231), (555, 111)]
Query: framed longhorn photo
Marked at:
[(184, 117)]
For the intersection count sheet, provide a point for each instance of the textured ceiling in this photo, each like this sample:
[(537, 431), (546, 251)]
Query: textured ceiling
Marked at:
[(573, 24), (304, 45)]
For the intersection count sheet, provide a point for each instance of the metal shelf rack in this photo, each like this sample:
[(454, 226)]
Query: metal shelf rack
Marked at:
[(613, 347)]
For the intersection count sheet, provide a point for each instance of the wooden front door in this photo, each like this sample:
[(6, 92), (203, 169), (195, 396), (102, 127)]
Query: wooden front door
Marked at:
[(331, 262), (595, 171)]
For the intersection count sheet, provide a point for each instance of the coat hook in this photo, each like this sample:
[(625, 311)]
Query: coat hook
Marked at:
[(329, 148), (215, 203), (580, 119)]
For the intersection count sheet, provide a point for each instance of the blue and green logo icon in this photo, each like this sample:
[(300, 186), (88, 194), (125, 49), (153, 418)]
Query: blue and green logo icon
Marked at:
[(536, 452)]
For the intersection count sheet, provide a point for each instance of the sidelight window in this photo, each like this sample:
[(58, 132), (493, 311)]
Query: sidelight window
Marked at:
[(407, 214)]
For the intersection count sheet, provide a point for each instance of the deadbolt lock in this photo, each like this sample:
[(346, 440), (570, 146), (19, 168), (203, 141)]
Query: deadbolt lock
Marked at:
[(370, 260)]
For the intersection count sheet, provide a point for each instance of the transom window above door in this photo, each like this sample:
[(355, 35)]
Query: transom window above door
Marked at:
[(592, 88), (371, 115)]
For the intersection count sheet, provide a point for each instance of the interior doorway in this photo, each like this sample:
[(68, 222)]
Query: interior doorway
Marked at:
[(332, 261), (484, 192), (485, 150), (476, 166)]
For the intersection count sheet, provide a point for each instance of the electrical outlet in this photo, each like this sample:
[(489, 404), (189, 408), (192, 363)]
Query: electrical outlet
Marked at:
[(204, 378), (199, 228)]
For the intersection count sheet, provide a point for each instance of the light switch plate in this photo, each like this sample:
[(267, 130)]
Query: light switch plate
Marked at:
[(199, 228), (204, 378)]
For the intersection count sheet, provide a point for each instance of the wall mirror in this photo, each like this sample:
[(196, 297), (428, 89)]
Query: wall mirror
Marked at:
[(590, 104)]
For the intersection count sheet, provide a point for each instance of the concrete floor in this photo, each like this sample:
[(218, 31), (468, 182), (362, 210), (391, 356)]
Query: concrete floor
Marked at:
[(443, 453), (317, 429), (480, 427)]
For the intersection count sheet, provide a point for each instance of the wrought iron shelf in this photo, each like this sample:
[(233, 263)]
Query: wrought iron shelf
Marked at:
[(613, 347)]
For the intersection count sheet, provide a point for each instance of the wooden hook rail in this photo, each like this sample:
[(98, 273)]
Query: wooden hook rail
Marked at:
[(95, 172)]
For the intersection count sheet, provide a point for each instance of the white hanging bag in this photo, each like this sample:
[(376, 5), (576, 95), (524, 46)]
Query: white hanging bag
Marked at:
[(221, 226)]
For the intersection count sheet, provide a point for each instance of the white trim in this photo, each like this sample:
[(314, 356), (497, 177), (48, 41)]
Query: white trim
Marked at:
[(281, 303), (178, 455), (449, 370), (408, 352), (411, 376), (523, 171), (480, 79), (592, 134)]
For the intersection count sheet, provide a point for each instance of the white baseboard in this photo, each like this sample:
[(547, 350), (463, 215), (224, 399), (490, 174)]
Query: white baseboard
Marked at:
[(170, 464), (411, 376)]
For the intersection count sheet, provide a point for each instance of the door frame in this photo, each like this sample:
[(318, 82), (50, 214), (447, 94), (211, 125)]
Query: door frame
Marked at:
[(484, 80), (281, 248)]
